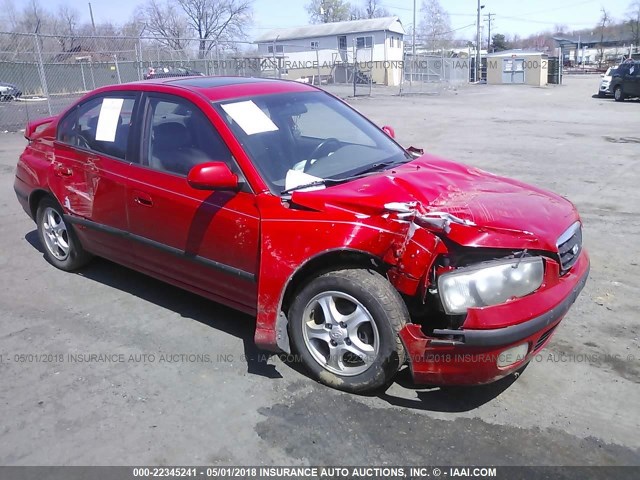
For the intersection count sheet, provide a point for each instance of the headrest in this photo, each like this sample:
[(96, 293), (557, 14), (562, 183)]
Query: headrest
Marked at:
[(171, 135)]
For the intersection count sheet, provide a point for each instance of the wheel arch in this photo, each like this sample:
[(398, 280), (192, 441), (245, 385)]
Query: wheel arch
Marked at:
[(36, 197), (337, 259)]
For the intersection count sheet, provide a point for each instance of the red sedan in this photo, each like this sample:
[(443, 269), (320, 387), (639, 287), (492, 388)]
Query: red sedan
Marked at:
[(279, 200)]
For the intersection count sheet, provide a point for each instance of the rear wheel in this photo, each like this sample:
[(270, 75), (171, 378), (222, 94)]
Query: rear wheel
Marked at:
[(618, 94), (344, 325), (61, 246)]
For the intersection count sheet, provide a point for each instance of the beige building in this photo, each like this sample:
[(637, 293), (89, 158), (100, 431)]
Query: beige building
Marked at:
[(517, 67)]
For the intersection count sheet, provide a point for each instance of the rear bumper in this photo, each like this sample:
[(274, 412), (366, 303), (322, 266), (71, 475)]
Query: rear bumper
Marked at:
[(469, 356), (22, 193)]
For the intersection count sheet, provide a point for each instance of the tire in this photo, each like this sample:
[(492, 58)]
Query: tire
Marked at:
[(618, 94), (358, 349), (62, 249)]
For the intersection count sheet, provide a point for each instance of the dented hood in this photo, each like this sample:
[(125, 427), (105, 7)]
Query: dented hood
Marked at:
[(496, 212)]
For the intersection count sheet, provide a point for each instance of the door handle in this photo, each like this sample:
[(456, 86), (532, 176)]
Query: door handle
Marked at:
[(62, 171), (142, 199)]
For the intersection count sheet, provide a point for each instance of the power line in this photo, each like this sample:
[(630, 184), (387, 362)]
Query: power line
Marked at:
[(540, 22), (547, 10), (395, 7)]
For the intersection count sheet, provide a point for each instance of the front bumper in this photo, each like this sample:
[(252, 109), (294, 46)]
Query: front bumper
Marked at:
[(469, 356), (605, 89)]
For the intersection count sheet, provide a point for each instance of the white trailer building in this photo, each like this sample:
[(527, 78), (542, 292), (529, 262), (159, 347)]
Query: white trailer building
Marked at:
[(330, 50)]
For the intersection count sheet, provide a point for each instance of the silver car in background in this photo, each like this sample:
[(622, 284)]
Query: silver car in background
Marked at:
[(9, 91)]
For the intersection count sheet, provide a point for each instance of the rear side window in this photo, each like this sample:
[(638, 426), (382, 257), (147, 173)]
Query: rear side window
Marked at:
[(101, 125), (181, 137)]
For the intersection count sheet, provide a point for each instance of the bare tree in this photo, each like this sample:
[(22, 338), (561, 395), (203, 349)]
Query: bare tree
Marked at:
[(10, 14), (633, 21), (166, 23), (216, 21), (66, 25), (370, 9), (605, 21), (34, 17), (560, 28), (327, 11), (435, 25), (374, 10), (210, 21)]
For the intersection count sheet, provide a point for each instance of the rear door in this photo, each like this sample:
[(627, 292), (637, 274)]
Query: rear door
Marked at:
[(205, 240), (91, 159)]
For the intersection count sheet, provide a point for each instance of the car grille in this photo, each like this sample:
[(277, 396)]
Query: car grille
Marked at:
[(543, 338), (570, 246)]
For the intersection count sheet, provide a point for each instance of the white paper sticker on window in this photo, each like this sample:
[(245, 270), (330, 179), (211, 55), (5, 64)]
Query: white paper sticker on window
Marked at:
[(250, 118), (109, 119), (296, 178)]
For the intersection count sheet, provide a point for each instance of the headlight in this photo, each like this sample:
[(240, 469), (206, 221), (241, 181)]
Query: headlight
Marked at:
[(491, 283)]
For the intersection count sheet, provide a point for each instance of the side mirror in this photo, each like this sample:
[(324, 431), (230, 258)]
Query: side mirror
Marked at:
[(212, 176), (389, 131)]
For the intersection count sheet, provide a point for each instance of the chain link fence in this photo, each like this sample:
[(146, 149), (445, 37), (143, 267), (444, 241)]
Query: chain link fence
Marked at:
[(41, 75), (429, 74)]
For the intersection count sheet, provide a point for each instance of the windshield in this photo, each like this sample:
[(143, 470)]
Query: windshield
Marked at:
[(299, 138)]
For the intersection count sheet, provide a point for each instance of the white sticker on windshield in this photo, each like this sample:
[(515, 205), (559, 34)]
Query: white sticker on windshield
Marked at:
[(250, 118), (109, 119), (296, 178)]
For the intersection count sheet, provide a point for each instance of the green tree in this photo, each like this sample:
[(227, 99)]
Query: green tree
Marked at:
[(499, 43)]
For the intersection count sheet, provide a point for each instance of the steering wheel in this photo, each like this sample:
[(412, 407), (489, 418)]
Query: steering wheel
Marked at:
[(81, 141), (324, 145)]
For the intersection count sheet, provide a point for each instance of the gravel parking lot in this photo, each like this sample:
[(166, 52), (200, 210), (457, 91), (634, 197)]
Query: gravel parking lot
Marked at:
[(183, 384)]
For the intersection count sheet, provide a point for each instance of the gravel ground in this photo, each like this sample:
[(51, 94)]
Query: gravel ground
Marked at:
[(185, 385)]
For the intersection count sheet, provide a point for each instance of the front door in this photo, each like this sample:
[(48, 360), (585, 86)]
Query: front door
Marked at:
[(634, 79), (207, 241), (512, 70)]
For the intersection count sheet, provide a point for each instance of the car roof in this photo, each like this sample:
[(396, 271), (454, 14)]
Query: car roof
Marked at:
[(223, 87)]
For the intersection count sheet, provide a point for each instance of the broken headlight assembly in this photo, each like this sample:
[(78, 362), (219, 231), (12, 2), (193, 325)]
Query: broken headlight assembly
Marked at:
[(489, 283)]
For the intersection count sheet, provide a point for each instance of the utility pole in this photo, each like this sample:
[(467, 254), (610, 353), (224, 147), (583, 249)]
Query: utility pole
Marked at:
[(480, 7), (489, 19), (413, 43), (93, 23)]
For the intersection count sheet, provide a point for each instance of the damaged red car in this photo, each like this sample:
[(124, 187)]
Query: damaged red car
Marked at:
[(279, 200)]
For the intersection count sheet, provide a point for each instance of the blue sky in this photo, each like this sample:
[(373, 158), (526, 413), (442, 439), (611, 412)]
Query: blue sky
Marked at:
[(523, 17)]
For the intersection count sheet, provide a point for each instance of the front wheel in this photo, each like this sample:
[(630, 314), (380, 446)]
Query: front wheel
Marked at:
[(618, 94), (62, 248), (344, 325)]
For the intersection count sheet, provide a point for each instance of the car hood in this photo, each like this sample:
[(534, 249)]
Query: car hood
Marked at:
[(488, 210)]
